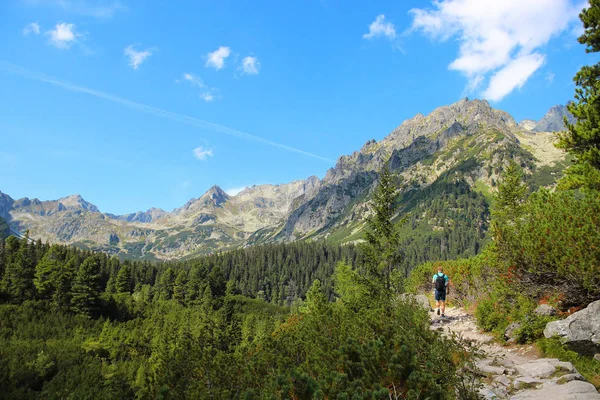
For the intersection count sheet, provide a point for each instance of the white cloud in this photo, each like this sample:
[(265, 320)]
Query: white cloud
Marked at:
[(202, 154), (235, 191), (208, 94), (550, 77), (63, 35), (216, 59), (33, 27), (136, 58), (512, 76), (497, 37), (381, 28), (250, 65)]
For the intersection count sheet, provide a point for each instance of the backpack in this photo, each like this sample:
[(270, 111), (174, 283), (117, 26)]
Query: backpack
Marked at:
[(440, 283)]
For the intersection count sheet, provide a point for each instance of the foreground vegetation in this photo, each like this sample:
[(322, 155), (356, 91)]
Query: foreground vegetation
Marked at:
[(74, 324)]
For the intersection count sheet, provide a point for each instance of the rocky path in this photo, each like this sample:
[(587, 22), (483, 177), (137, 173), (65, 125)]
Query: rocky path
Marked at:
[(516, 373)]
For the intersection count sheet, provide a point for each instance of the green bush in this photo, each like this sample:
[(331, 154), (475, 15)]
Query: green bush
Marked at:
[(471, 279), (555, 246)]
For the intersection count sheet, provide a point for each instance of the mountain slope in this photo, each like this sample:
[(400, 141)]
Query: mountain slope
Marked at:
[(448, 162)]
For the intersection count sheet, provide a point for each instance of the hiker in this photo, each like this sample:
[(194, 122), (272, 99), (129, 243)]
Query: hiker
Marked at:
[(440, 284)]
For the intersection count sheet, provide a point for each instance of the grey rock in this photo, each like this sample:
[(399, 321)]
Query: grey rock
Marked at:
[(540, 369), (492, 370), (503, 380), (544, 310), (580, 331), (597, 356), (488, 393), (526, 381), (510, 331), (574, 390), (570, 377)]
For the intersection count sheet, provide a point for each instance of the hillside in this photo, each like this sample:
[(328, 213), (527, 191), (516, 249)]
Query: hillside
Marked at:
[(452, 156)]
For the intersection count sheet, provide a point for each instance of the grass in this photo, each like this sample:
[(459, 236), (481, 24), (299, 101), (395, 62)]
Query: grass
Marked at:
[(482, 188)]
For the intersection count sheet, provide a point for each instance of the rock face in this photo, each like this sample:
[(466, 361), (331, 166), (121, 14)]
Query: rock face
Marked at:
[(467, 142), (553, 121), (580, 331)]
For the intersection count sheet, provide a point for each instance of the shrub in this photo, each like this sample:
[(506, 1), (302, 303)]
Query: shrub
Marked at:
[(556, 246)]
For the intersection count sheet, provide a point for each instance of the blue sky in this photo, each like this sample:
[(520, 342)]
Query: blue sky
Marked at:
[(135, 104)]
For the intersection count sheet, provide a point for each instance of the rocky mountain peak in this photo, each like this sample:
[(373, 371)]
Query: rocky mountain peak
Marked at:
[(75, 201), (216, 195), (528, 124), (553, 121)]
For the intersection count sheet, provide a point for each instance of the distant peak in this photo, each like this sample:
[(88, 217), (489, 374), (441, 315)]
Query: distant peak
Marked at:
[(76, 201), (216, 195)]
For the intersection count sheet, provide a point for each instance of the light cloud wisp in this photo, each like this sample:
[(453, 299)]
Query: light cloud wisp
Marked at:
[(250, 65), (202, 154), (33, 27), (380, 27), (195, 122), (136, 58), (208, 93)]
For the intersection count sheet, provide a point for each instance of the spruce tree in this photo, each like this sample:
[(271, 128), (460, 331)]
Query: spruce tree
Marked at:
[(18, 276), (510, 198), (582, 139), (123, 281), (381, 251), (85, 295)]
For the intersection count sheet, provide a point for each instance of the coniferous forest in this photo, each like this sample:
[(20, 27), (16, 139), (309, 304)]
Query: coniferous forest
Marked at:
[(320, 320), (80, 325)]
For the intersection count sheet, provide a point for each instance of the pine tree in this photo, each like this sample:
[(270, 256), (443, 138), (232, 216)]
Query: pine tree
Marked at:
[(511, 196), (85, 295), (381, 251), (582, 139), (47, 272), (19, 272), (179, 289), (123, 281)]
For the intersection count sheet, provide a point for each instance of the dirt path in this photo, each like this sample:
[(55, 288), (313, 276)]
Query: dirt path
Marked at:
[(516, 372)]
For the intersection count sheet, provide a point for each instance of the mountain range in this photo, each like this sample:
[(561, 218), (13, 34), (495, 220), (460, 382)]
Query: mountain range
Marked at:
[(456, 151)]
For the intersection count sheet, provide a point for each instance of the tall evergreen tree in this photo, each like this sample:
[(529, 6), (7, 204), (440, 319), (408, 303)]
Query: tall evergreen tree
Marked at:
[(47, 272), (85, 295), (381, 251), (511, 196), (582, 139), (123, 283), (19, 272)]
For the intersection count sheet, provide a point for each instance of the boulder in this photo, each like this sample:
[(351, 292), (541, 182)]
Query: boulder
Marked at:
[(510, 332), (538, 369), (544, 310), (580, 331), (574, 390), (597, 356)]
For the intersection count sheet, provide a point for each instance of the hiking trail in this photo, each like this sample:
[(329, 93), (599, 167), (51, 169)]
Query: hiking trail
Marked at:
[(516, 372)]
